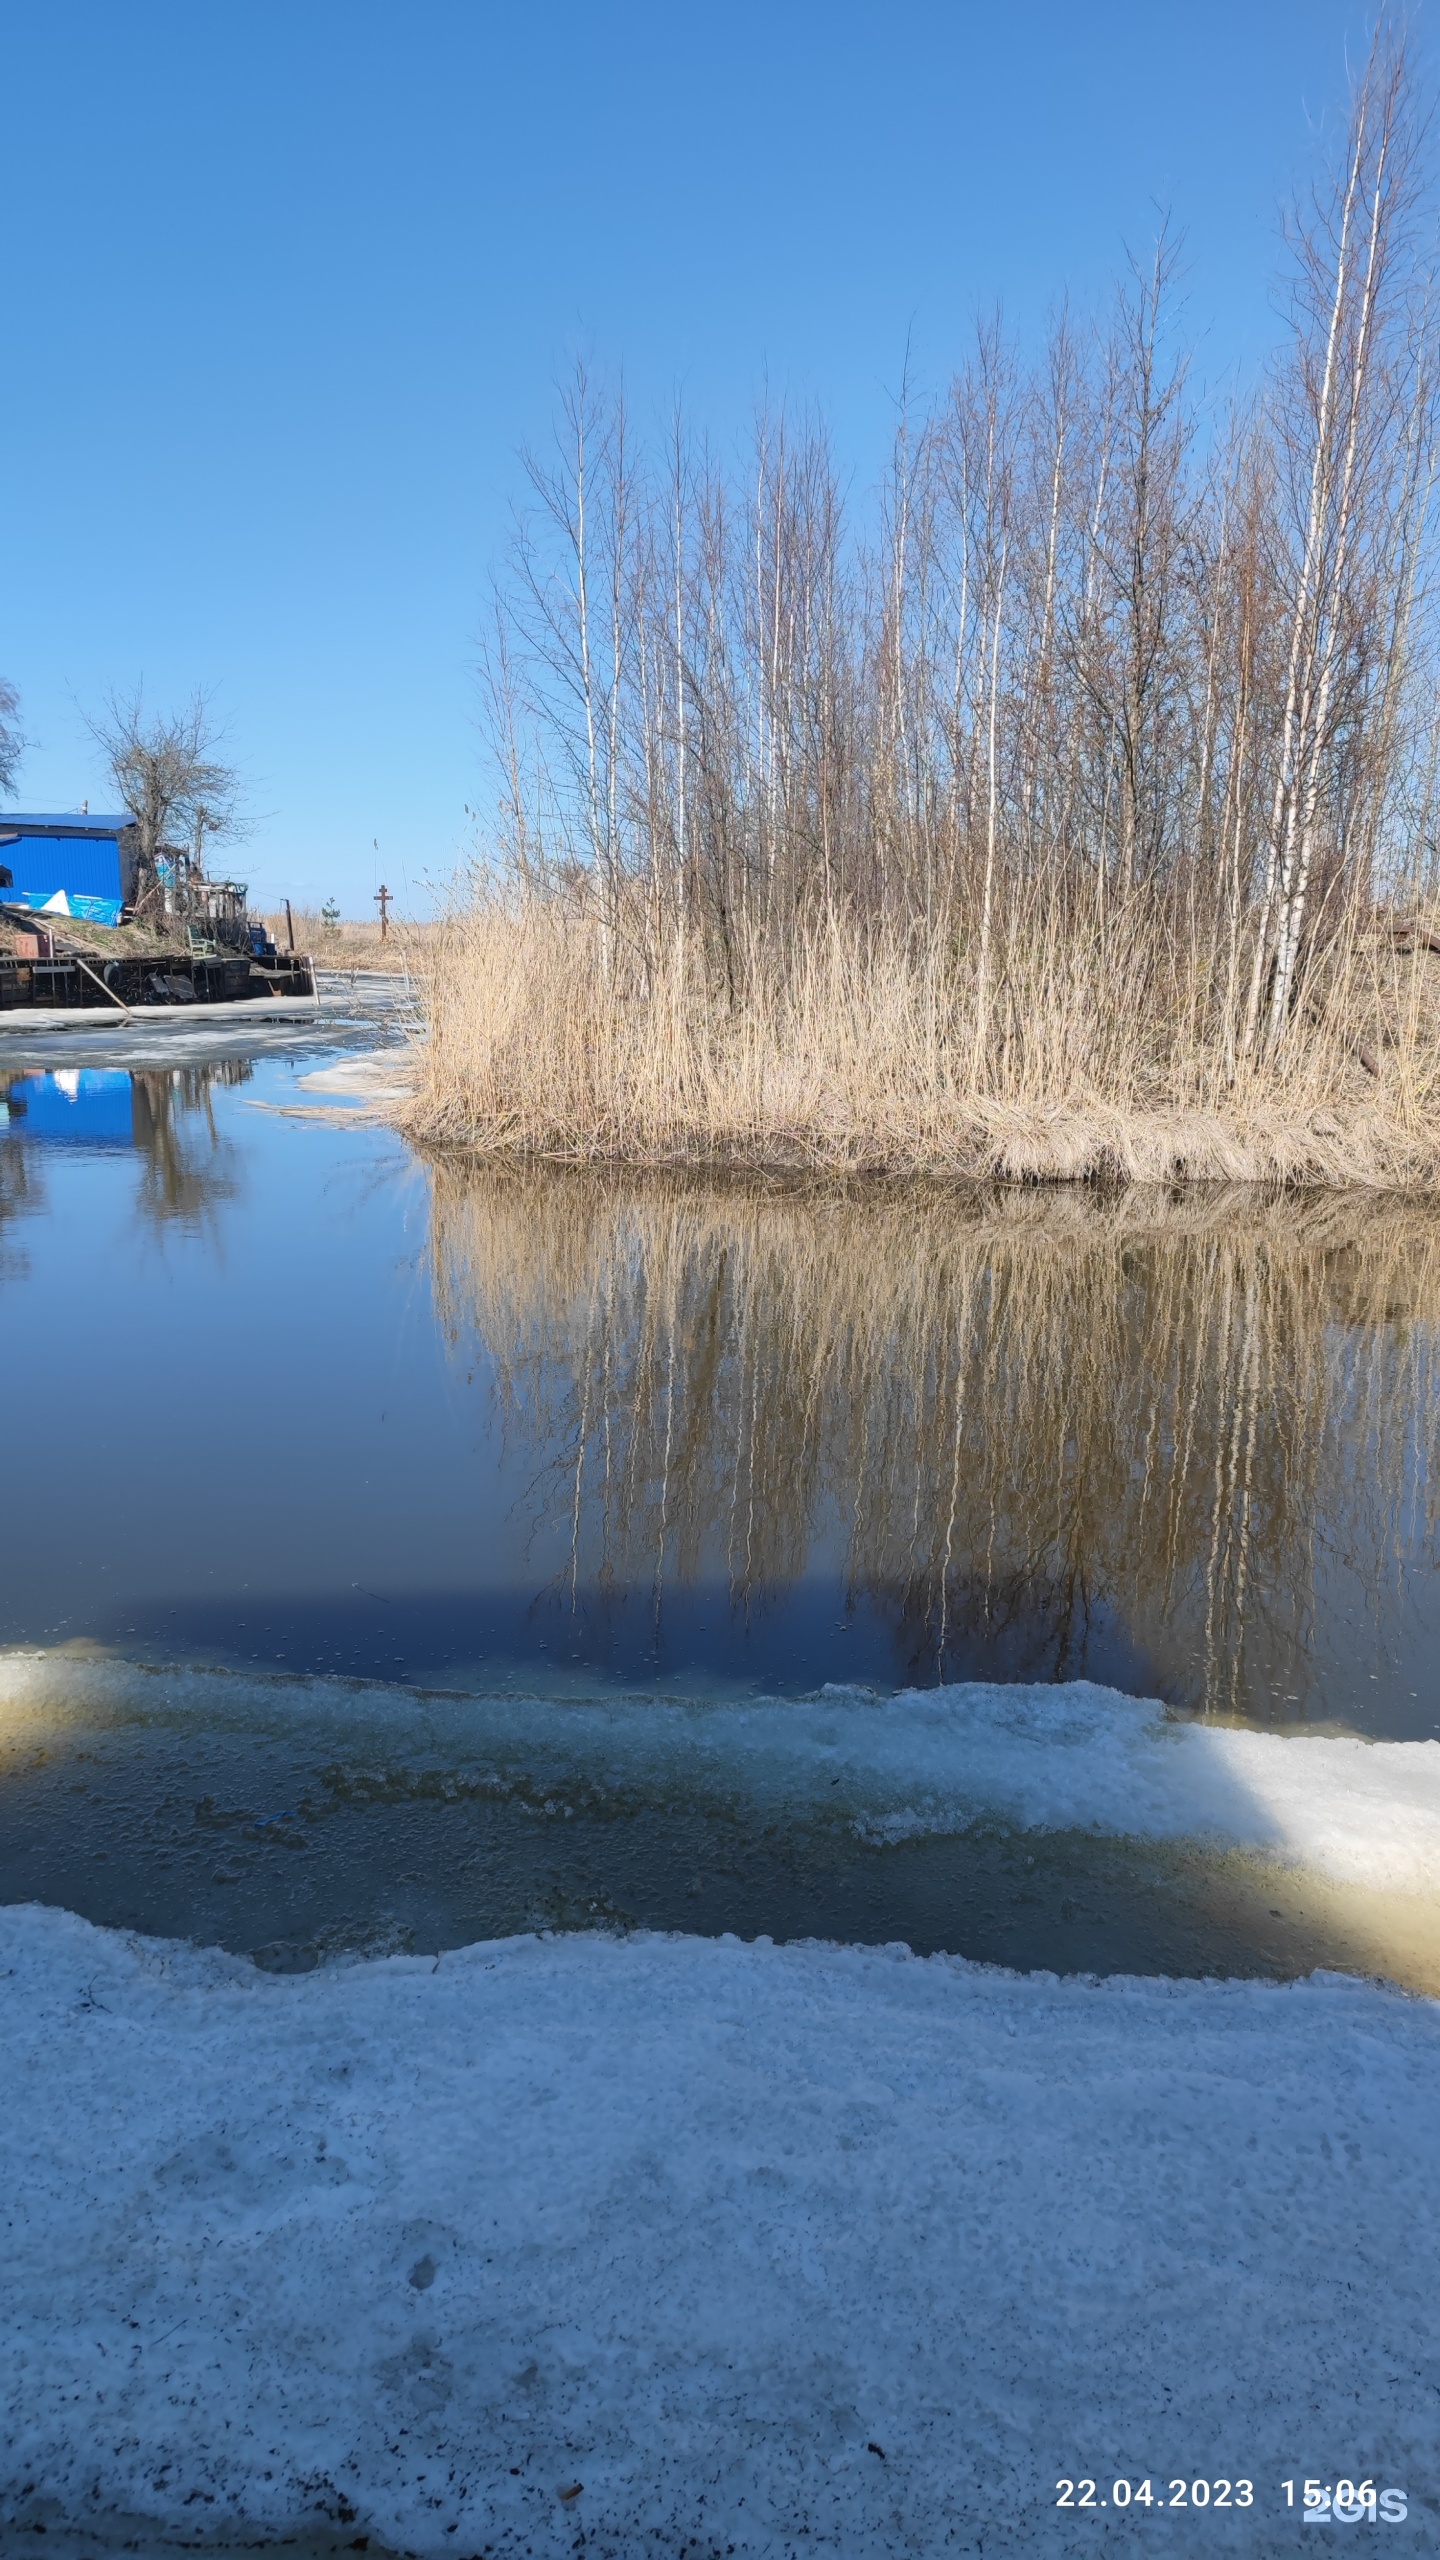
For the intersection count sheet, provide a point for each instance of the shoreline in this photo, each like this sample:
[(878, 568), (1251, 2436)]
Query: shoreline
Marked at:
[(858, 1053), (1156, 1158)]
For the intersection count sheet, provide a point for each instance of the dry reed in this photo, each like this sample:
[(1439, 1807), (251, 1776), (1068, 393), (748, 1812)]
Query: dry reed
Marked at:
[(351, 942), (857, 1053)]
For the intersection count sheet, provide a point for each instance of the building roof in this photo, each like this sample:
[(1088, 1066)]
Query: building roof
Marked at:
[(69, 822)]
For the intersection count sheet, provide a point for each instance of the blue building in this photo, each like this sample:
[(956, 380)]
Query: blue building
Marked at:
[(71, 865)]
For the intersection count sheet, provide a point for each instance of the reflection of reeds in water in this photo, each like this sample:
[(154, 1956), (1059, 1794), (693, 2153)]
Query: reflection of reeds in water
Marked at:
[(1007, 1413)]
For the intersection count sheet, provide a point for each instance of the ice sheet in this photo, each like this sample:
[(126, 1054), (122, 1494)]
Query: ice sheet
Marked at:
[(1043, 1758)]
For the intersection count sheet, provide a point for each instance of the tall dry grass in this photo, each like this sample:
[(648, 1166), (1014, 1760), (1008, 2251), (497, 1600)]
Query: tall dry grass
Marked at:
[(351, 942), (857, 1050)]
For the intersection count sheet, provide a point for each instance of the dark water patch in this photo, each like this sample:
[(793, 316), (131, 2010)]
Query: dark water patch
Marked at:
[(377, 1863), (301, 1822)]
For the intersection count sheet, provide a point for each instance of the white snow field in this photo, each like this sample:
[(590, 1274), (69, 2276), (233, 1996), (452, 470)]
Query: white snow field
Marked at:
[(1075, 1757), (644, 2247)]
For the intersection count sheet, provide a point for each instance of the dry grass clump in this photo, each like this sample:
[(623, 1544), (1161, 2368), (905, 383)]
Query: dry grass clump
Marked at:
[(76, 933), (860, 1051)]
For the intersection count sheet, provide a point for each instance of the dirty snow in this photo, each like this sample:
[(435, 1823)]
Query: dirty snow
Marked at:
[(688, 2228)]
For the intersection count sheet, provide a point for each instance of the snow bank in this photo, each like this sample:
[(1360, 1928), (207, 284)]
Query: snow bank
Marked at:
[(1041, 1758), (422, 2246)]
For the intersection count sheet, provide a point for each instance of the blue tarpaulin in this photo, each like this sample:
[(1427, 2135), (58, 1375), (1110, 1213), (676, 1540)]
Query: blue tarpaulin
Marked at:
[(65, 902)]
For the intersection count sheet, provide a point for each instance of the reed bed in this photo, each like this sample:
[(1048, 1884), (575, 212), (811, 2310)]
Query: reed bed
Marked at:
[(858, 1052)]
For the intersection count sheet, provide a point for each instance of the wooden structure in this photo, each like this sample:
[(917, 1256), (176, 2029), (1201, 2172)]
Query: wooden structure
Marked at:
[(50, 974)]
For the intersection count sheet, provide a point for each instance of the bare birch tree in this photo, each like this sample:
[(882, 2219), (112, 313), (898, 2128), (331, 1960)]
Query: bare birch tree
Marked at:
[(1346, 430), (1107, 688)]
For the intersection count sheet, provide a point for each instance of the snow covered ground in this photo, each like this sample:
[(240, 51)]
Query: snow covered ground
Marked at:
[(654, 2246)]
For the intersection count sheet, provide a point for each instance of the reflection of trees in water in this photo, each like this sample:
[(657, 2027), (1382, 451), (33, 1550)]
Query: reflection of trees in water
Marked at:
[(188, 1168), (1013, 1411), (22, 1194)]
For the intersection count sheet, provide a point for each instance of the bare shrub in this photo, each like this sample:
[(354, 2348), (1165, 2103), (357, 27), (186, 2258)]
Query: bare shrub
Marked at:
[(12, 737), (1064, 819)]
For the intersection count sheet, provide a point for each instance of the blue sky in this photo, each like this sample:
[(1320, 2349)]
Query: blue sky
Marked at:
[(288, 283)]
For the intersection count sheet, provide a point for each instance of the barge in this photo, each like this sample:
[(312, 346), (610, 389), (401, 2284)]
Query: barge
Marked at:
[(50, 977)]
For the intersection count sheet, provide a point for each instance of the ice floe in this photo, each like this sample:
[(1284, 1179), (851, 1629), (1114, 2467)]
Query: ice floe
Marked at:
[(1073, 1757)]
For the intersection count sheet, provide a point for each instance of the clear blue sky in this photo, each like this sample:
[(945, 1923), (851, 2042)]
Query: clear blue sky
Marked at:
[(287, 283)]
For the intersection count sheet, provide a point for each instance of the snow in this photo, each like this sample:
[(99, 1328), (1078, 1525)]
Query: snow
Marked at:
[(420, 2245), (1041, 1758)]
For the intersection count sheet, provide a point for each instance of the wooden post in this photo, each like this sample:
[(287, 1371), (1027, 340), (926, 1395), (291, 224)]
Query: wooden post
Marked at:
[(382, 901), (290, 924)]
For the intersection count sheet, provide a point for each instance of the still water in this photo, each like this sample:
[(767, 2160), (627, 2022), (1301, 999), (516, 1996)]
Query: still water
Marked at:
[(316, 1457)]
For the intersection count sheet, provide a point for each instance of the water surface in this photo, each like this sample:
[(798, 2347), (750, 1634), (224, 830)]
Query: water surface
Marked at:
[(284, 1401)]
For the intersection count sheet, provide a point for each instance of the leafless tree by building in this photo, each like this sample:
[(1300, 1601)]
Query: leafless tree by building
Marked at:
[(177, 787)]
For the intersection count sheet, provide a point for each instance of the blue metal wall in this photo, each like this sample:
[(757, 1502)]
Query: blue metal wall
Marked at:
[(90, 865)]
